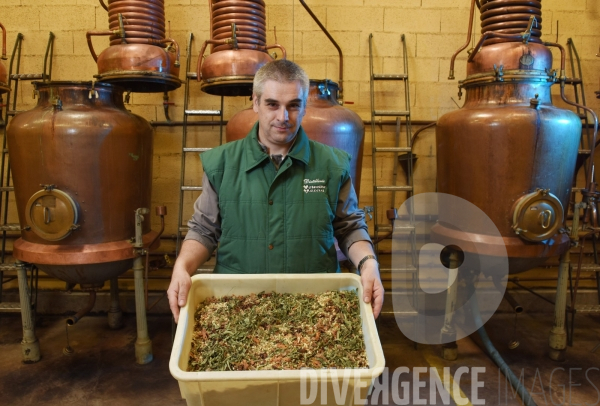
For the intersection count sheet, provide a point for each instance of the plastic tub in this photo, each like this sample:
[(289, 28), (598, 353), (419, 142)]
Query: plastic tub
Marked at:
[(274, 387)]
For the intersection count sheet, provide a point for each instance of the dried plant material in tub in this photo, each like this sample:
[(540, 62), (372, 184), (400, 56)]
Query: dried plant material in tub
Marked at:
[(276, 331)]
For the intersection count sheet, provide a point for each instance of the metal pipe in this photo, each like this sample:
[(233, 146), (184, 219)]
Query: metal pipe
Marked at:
[(448, 332), (3, 41), (115, 315), (162, 212), (30, 346), (341, 67), (90, 305), (143, 344), (509, 298), (469, 33), (558, 334), (497, 358)]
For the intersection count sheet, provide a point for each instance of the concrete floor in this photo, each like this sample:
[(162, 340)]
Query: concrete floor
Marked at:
[(102, 371)]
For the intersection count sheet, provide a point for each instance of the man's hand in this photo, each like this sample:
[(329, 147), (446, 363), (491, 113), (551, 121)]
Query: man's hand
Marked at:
[(372, 287), (192, 255), (178, 290)]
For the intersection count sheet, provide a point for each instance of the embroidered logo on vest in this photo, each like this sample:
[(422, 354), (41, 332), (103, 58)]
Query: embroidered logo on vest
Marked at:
[(314, 185)]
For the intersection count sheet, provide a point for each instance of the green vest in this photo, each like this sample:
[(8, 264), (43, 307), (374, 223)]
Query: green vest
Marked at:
[(276, 221)]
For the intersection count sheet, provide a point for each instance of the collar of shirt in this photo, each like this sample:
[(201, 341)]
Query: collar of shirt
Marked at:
[(255, 153)]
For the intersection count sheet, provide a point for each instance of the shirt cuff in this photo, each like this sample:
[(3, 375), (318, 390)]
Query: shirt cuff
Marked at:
[(352, 237), (193, 235)]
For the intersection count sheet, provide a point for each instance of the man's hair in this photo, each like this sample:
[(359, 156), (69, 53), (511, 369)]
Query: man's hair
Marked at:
[(281, 70)]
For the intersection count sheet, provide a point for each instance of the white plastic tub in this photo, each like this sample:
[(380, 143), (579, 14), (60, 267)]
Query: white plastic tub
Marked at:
[(273, 388)]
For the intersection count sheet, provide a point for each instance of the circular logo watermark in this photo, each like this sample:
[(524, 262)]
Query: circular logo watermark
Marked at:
[(449, 262)]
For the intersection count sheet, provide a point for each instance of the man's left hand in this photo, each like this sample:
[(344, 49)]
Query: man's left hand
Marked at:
[(372, 286)]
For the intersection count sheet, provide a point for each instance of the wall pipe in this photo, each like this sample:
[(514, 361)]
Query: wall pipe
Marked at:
[(341, 67)]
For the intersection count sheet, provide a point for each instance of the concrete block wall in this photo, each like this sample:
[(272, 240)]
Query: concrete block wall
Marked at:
[(433, 29)]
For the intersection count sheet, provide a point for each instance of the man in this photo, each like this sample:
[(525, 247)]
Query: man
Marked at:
[(275, 200)]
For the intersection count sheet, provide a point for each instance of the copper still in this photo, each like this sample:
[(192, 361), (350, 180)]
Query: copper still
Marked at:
[(4, 88), (508, 150), (325, 121), (82, 165), (140, 58), (238, 47)]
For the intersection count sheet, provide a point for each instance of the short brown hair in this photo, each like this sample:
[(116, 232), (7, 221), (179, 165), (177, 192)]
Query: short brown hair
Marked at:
[(281, 70)]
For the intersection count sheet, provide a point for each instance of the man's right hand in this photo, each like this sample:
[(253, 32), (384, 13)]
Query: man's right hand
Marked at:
[(178, 290), (192, 255)]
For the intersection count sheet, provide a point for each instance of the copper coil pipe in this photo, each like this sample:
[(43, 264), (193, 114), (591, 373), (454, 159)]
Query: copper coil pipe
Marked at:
[(503, 20), (515, 18), (143, 32), (243, 10), (488, 4), (104, 6), (250, 34), (249, 18), (136, 8), (469, 33), (3, 41), (238, 18), (138, 19), (241, 27), (505, 11), (239, 3)]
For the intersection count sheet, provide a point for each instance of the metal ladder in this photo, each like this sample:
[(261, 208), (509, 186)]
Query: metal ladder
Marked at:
[(183, 187), (585, 150), (402, 117), (8, 270)]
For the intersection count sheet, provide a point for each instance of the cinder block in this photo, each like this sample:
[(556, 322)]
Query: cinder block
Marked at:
[(588, 47), (447, 4), (439, 45), (394, 3), (571, 23), (74, 68), (558, 5), (303, 21), (456, 21), (17, 18), (80, 17), (190, 18), (412, 20), (280, 16), (42, 3), (342, 18)]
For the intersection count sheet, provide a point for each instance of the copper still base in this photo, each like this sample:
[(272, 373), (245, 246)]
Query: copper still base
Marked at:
[(139, 68), (231, 72), (88, 264), (522, 255)]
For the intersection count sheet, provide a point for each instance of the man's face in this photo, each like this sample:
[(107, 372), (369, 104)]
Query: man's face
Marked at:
[(280, 111)]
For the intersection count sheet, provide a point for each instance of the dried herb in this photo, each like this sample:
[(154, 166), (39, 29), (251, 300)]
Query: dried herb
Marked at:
[(278, 331)]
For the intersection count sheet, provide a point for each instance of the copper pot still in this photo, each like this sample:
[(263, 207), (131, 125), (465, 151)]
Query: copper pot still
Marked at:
[(508, 150), (81, 164), (325, 121), (4, 88), (140, 57), (238, 47)]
